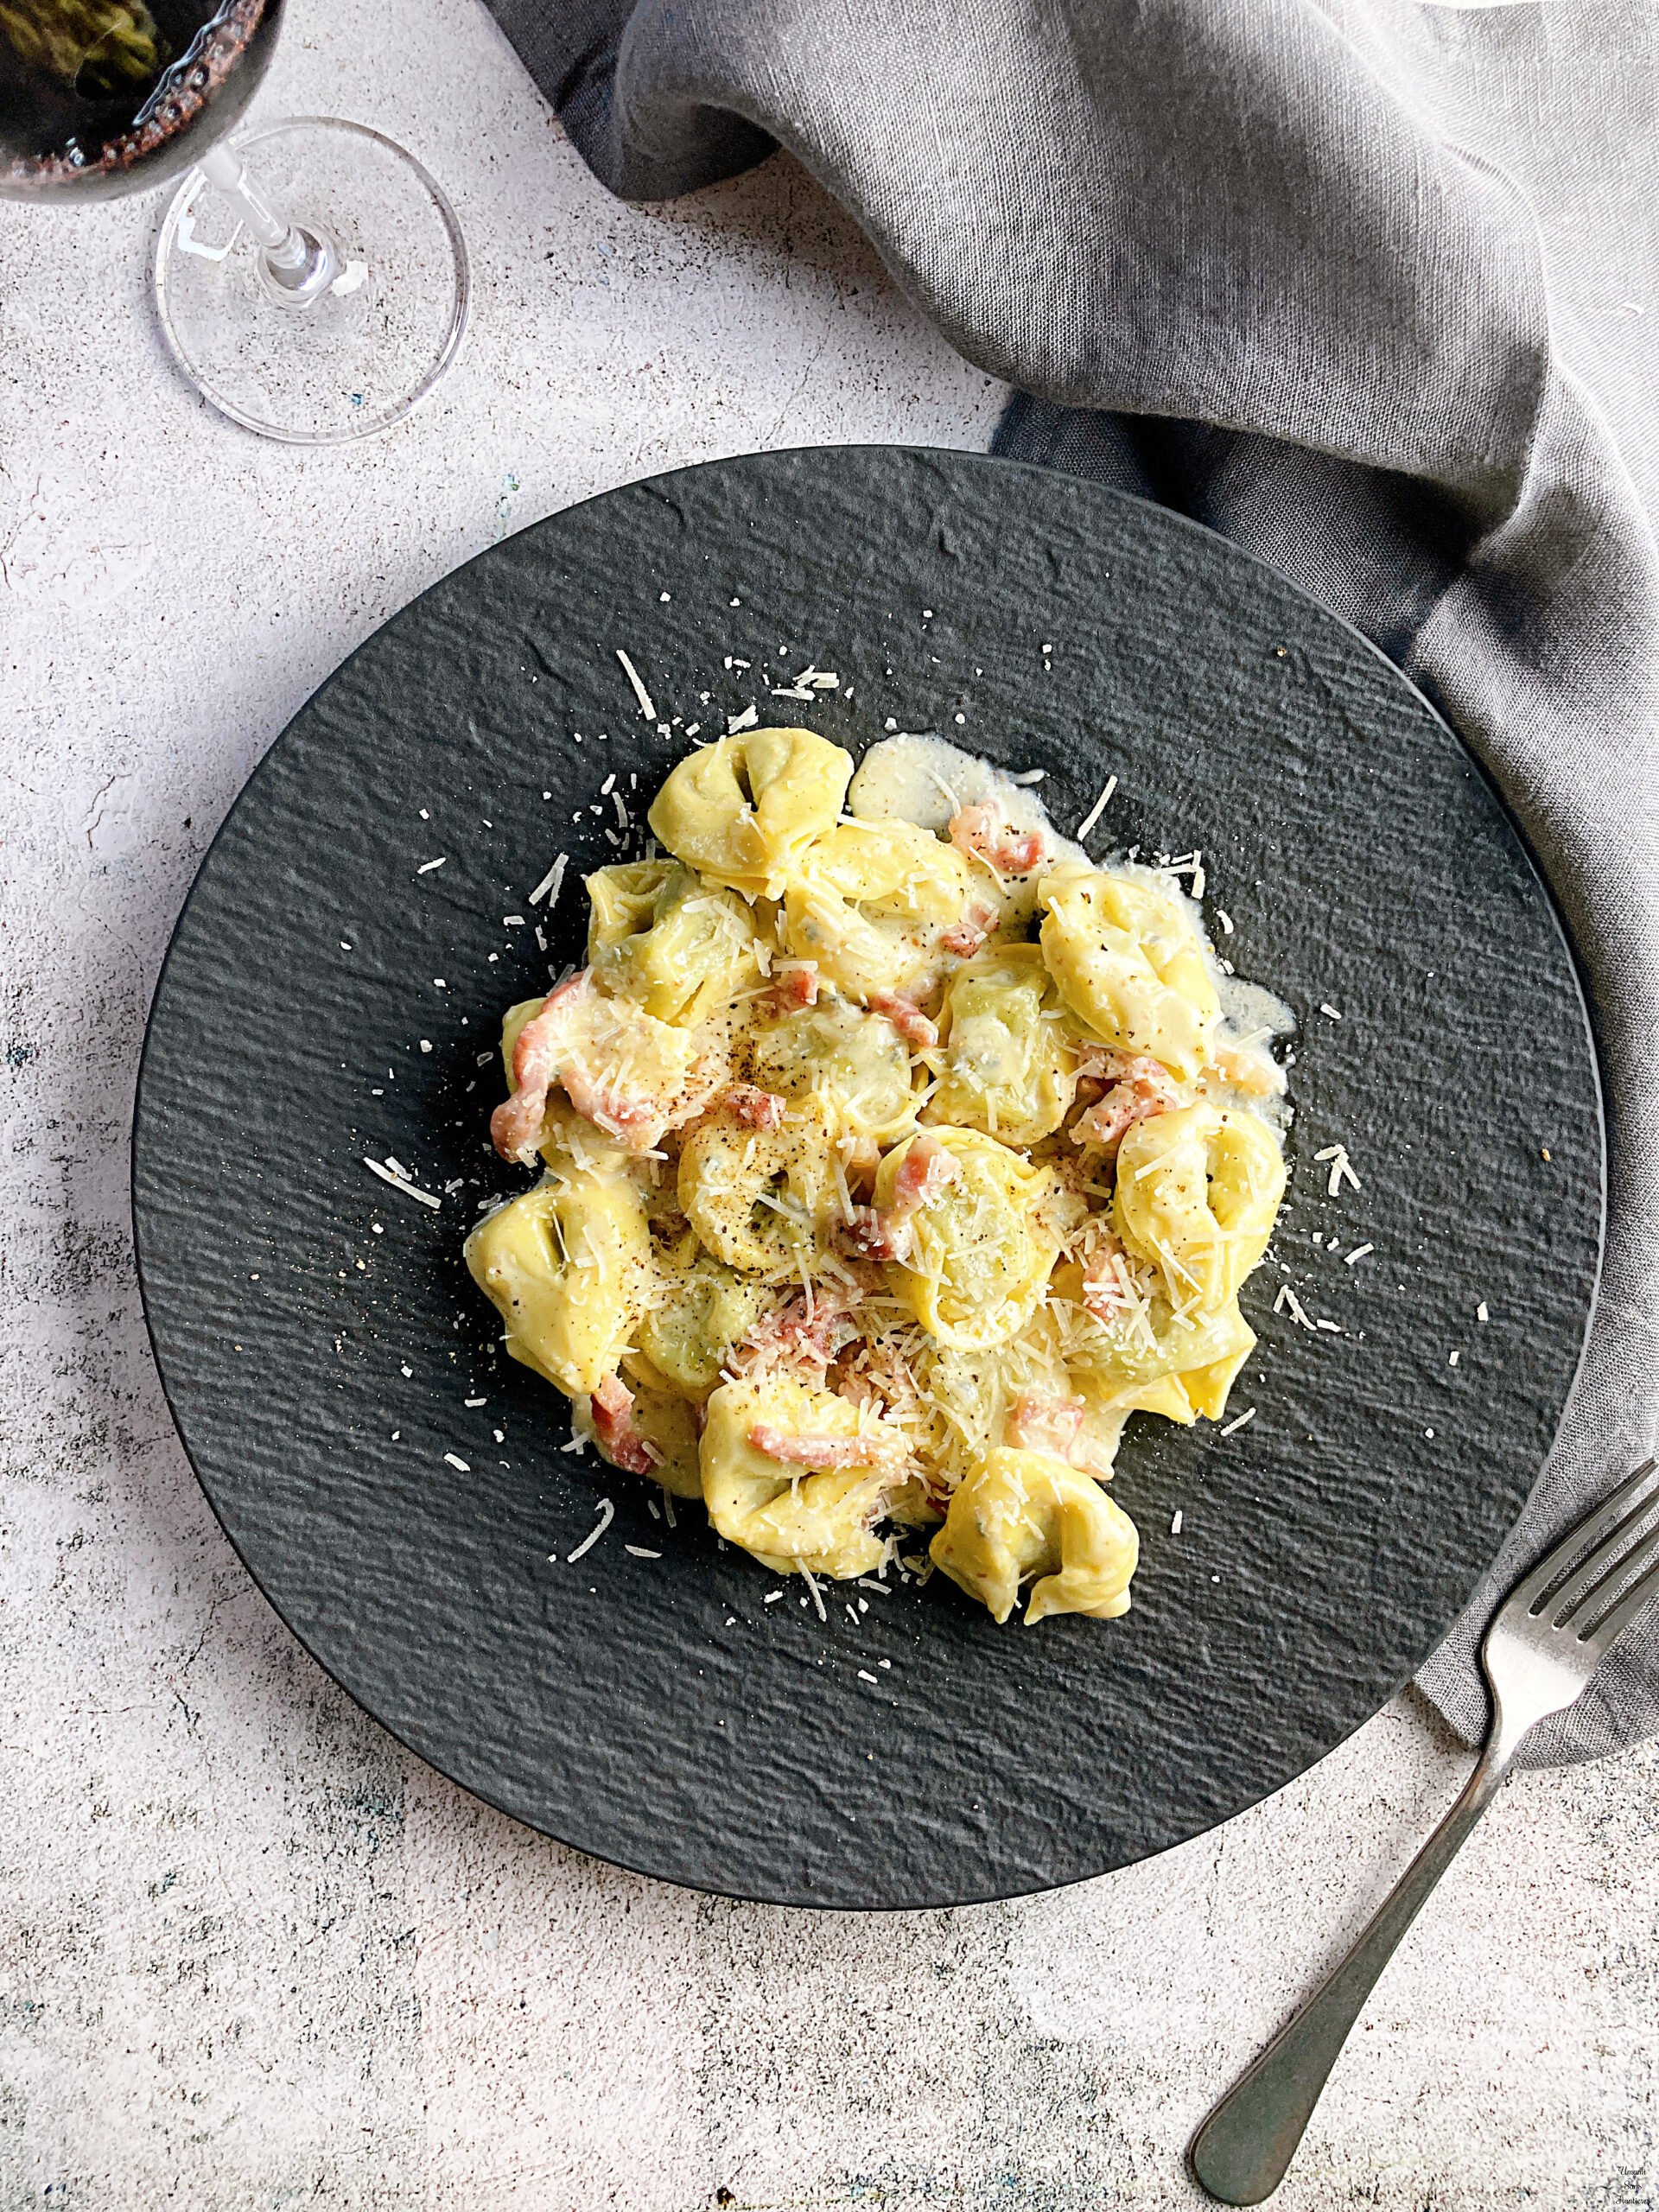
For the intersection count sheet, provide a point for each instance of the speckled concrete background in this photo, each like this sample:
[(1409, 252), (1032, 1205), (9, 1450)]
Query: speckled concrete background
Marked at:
[(251, 1954)]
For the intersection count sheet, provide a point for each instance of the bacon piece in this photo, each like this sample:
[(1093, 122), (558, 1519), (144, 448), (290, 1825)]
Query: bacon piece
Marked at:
[(538, 1062), (793, 1335), (1039, 1423), (635, 1122), (1104, 1062), (1255, 1073), (1043, 1423), (754, 1108), (1142, 1090), (611, 1407), (861, 1162), (906, 1017), (861, 1451), (887, 1232), (984, 833), (873, 1235), (1106, 1291), (965, 939), (794, 983), (552, 1049), (926, 1171)]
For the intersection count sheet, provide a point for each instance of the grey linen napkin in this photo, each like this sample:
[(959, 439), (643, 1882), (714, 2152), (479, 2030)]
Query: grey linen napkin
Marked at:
[(1280, 266)]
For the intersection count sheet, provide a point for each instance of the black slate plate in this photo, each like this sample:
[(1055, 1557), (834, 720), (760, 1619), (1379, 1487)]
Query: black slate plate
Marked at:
[(654, 1711)]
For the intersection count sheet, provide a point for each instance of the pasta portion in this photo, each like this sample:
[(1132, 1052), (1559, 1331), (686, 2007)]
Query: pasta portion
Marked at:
[(1006, 1063), (1019, 1514), (972, 1257), (889, 1167)]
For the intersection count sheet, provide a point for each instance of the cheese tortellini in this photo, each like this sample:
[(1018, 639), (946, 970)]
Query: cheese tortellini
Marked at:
[(857, 1058), (680, 948), (568, 1267), (761, 1199), (978, 1257), (814, 1508), (1198, 1193), (746, 810), (893, 1163), (1007, 1065), (1130, 962), (1156, 1357), (703, 1312), (1017, 1515), (871, 902)]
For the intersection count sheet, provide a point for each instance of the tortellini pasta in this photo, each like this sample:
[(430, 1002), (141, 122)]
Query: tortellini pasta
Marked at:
[(856, 1059), (569, 1266), (627, 1075), (669, 1425), (797, 1511), (702, 1312), (1007, 1065), (761, 1199), (1021, 1514), (977, 1257), (893, 1166), (1155, 1358), (1198, 1193), (870, 902), (1130, 962), (680, 948), (743, 811)]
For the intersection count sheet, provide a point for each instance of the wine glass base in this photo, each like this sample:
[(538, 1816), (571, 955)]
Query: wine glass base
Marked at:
[(360, 356)]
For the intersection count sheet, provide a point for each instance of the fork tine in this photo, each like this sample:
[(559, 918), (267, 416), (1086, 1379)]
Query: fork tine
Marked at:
[(1608, 1558), (1635, 1560), (1531, 1587), (1608, 1631)]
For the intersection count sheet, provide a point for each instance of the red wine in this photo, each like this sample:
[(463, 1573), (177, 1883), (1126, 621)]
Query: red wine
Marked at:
[(99, 97)]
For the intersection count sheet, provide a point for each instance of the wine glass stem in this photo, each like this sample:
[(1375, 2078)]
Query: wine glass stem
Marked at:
[(298, 262)]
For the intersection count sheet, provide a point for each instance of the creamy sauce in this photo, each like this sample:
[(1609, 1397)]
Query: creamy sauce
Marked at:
[(914, 777), (925, 780)]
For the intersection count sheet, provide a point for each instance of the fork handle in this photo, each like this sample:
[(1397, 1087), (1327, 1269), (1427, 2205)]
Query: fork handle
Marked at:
[(1241, 2153)]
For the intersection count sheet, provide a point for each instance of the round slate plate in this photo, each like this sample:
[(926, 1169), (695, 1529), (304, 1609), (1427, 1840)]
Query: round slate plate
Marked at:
[(320, 1339)]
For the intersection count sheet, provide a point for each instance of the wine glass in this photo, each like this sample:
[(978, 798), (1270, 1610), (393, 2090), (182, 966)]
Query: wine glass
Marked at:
[(311, 278)]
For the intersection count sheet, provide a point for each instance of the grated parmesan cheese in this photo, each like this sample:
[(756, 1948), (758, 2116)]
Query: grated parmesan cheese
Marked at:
[(550, 884), (1341, 1168), (394, 1175), (639, 691), (1097, 809), (607, 1515)]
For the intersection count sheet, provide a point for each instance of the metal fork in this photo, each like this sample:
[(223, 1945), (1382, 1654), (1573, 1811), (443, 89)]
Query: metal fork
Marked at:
[(1544, 1644)]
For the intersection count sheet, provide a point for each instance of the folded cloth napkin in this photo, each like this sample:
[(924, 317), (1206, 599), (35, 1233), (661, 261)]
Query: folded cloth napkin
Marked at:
[(1244, 260)]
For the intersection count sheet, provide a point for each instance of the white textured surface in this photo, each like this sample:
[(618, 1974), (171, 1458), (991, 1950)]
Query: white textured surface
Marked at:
[(251, 1954)]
